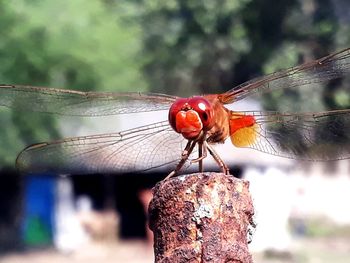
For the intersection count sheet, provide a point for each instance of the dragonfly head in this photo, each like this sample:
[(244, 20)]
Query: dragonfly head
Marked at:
[(191, 116)]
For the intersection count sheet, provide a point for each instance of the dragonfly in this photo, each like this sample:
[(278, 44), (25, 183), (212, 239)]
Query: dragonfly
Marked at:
[(194, 125)]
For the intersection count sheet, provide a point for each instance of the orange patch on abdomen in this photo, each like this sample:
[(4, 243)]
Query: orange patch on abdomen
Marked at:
[(243, 129)]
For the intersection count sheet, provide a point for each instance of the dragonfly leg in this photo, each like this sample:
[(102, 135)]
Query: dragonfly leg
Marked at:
[(217, 158), (200, 157), (202, 153), (184, 157)]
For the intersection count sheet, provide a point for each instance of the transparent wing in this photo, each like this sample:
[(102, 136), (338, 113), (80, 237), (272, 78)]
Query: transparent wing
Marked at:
[(139, 149), (70, 102), (330, 67), (306, 136)]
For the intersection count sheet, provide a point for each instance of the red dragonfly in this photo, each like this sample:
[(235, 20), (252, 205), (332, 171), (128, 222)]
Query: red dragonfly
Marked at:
[(194, 124)]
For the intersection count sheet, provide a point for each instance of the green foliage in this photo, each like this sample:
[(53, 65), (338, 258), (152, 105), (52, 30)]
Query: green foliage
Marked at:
[(79, 44), (192, 45)]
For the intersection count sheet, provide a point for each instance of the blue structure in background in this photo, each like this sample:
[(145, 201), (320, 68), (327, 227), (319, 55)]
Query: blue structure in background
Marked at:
[(39, 208)]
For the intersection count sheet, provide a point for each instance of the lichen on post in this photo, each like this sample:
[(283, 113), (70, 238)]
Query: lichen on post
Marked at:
[(202, 217)]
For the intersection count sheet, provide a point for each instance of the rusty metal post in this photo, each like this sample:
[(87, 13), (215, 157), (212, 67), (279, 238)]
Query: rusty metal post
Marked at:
[(203, 217)]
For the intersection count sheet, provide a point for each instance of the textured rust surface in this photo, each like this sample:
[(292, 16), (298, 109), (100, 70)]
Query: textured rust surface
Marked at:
[(202, 217)]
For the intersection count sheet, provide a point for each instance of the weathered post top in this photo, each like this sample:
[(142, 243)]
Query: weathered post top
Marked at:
[(202, 217)]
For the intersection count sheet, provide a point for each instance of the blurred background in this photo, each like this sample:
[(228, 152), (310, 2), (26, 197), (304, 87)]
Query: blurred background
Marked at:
[(174, 47)]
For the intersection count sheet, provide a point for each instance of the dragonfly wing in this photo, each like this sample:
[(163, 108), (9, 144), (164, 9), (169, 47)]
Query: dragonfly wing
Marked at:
[(307, 136), (70, 102), (139, 149), (327, 68)]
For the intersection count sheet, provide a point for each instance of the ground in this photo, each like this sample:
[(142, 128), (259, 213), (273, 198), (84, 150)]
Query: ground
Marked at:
[(313, 250)]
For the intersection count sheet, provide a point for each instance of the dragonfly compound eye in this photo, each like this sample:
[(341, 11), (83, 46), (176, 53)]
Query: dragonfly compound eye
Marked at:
[(204, 110)]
